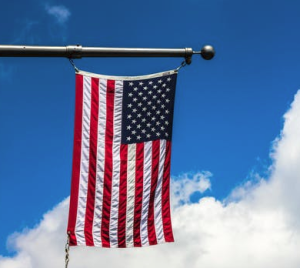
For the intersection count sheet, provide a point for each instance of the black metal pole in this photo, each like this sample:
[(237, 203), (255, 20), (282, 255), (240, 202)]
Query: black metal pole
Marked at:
[(77, 52)]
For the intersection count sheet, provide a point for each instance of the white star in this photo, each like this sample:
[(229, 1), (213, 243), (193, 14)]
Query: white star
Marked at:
[(149, 113), (129, 105), (140, 93), (138, 126), (130, 94), (131, 84), (139, 115), (164, 85), (145, 88), (153, 129), (155, 86), (153, 107), (138, 137), (158, 112), (163, 95), (162, 117), (162, 106), (150, 82), (144, 120), (157, 133), (148, 125), (134, 110), (139, 104), (133, 121), (166, 134), (135, 99), (166, 122), (168, 89), (145, 98), (148, 135), (141, 83), (149, 102), (144, 131), (128, 138), (154, 97), (128, 127), (167, 100), (158, 101), (133, 132), (160, 81), (153, 118), (144, 109), (129, 116), (167, 111), (162, 128), (150, 92), (135, 89), (169, 79), (157, 123), (159, 91)]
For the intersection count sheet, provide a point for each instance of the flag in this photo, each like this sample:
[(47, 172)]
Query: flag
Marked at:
[(121, 160)]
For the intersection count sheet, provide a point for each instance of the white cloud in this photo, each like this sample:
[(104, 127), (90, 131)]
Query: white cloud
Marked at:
[(26, 32), (183, 186), (60, 13), (33, 31), (257, 227)]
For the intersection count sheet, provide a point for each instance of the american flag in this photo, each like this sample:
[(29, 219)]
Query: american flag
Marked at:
[(121, 160)]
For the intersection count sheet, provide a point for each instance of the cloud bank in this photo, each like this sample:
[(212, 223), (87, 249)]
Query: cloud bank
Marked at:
[(258, 226)]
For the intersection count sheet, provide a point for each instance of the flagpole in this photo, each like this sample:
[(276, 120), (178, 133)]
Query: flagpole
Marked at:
[(78, 51)]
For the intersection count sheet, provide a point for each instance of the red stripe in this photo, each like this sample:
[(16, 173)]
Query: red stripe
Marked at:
[(154, 176), (122, 197), (166, 214), (108, 165), (89, 215), (76, 159), (139, 172)]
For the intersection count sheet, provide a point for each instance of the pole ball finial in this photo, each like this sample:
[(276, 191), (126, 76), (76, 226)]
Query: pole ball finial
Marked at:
[(207, 52)]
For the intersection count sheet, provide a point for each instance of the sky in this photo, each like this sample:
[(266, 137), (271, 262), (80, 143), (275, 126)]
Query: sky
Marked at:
[(235, 186)]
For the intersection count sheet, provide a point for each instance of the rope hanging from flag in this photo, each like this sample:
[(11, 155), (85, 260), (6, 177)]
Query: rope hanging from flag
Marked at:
[(67, 249)]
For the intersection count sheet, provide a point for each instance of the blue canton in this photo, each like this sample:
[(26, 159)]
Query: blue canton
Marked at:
[(148, 106)]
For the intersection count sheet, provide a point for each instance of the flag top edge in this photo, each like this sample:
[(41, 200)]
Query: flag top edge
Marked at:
[(124, 78)]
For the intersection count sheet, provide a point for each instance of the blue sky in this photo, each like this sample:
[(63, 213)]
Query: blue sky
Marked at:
[(227, 111)]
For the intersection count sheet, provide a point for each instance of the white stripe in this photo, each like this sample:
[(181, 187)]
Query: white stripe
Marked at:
[(146, 192), (114, 212), (84, 163), (158, 195), (100, 164), (130, 194)]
